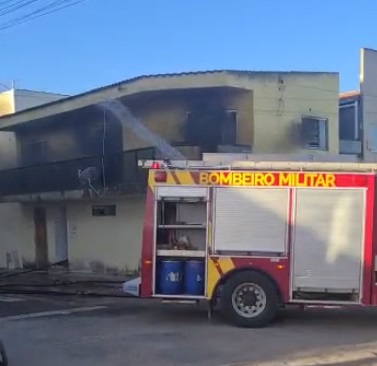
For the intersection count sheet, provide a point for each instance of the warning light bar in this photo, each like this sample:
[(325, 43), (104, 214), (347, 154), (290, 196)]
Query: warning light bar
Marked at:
[(260, 165), (155, 165)]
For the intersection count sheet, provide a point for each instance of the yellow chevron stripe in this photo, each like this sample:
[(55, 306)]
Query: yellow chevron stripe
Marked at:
[(151, 180), (226, 264), (185, 177), (213, 276), (170, 179)]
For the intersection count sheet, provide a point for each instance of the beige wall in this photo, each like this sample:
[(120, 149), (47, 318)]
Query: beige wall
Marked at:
[(15, 100), (112, 242), (7, 102), (17, 233), (100, 244), (278, 108), (269, 105)]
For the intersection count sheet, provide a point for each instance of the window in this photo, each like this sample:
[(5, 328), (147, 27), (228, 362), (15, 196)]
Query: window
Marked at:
[(33, 153), (314, 133), (229, 129), (348, 122), (104, 210), (228, 132)]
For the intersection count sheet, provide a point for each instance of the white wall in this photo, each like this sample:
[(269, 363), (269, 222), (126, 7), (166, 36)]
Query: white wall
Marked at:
[(8, 150), (95, 244), (111, 242), (24, 99), (368, 94), (17, 233), (15, 100)]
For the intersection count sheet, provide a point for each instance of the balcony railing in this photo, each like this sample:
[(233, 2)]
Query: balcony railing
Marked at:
[(117, 173)]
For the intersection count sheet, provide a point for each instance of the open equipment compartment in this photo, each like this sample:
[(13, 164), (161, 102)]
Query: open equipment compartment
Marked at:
[(180, 242)]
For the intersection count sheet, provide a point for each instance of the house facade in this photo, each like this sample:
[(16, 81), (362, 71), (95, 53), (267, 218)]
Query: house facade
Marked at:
[(70, 187), (357, 112)]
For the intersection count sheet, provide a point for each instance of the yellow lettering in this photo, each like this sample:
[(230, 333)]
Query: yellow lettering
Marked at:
[(320, 182), (285, 179), (269, 179), (258, 179), (237, 179), (203, 178), (225, 178), (310, 179), (246, 181), (330, 180), (301, 180)]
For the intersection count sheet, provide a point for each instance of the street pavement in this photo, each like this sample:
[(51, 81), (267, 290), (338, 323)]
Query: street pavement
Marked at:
[(42, 330)]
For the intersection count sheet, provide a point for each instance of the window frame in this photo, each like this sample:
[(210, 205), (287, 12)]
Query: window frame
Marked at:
[(111, 213), (353, 104), (322, 135)]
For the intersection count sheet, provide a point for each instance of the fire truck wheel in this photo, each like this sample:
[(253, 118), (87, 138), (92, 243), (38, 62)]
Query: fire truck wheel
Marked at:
[(249, 299)]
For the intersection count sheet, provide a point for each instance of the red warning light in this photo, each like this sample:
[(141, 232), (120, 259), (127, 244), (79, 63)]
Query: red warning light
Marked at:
[(155, 165), (160, 177)]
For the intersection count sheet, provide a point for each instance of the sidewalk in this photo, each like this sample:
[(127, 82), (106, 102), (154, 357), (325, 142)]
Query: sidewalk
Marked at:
[(61, 282)]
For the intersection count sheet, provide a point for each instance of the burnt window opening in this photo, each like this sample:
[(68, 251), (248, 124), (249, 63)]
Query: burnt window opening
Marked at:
[(314, 133), (348, 122), (33, 153), (104, 210), (209, 129)]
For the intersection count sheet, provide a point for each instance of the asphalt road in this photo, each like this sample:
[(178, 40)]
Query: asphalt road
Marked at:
[(134, 332)]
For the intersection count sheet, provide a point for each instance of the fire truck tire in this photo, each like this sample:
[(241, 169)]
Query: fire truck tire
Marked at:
[(249, 299)]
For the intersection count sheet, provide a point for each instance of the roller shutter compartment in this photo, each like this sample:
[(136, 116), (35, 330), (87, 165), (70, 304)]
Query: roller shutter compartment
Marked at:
[(251, 219), (327, 240), (181, 191)]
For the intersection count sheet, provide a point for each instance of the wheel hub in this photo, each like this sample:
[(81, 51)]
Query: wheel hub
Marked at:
[(249, 300)]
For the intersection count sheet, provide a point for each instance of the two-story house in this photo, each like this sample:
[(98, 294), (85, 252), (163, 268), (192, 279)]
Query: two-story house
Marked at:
[(71, 182)]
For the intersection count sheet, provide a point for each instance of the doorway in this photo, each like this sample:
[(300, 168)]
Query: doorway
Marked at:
[(40, 237), (61, 236)]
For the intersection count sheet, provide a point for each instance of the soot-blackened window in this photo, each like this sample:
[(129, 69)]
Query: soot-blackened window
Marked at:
[(104, 210)]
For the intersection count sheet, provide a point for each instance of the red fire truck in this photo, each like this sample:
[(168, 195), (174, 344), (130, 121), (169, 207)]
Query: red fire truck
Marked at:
[(255, 236)]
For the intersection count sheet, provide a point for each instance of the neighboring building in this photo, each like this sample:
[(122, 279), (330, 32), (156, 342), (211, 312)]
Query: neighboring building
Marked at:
[(350, 141), (98, 226), (16, 100), (358, 110)]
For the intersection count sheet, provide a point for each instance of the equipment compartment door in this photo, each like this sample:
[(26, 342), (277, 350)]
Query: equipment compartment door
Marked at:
[(328, 240), (251, 220)]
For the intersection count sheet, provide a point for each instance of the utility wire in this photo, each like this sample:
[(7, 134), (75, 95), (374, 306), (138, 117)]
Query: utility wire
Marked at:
[(6, 2), (53, 8), (21, 4), (47, 7)]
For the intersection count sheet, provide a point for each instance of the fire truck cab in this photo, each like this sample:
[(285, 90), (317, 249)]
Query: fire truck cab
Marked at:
[(256, 236)]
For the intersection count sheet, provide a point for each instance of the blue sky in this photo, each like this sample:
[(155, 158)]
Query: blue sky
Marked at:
[(98, 42)]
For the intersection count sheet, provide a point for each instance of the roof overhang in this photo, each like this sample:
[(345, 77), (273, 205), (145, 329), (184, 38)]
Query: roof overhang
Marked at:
[(349, 97), (142, 84)]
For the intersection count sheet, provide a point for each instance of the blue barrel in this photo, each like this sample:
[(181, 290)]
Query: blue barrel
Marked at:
[(170, 277), (194, 278)]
